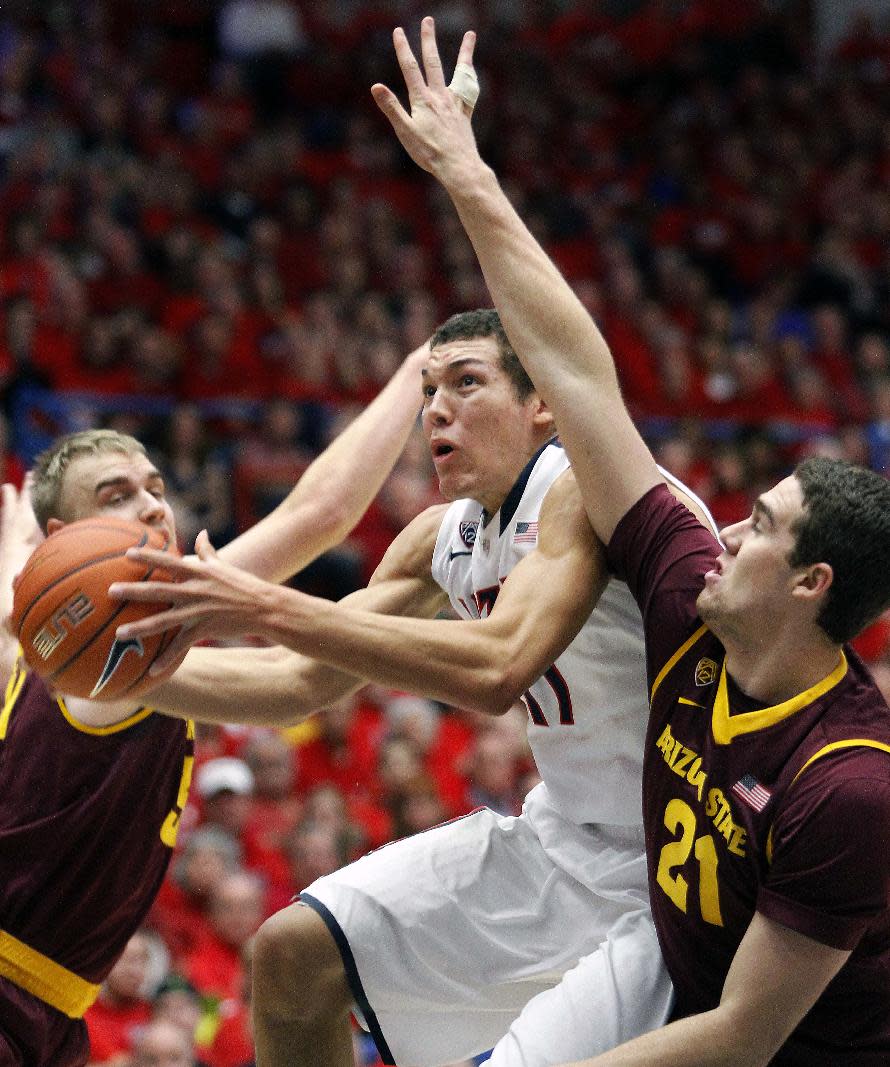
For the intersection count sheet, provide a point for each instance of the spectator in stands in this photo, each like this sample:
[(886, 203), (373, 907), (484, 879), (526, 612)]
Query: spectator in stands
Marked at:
[(274, 812), (197, 476), (177, 1001), (225, 789), (214, 965), (123, 1005), (163, 1044), (180, 912), (316, 849)]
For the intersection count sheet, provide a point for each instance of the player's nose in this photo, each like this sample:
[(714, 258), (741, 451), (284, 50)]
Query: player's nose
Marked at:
[(731, 536), (439, 410), (151, 509)]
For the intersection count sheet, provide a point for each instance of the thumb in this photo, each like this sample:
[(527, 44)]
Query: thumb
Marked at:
[(389, 104), (203, 548)]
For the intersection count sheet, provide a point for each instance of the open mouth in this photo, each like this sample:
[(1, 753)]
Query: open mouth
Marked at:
[(441, 450)]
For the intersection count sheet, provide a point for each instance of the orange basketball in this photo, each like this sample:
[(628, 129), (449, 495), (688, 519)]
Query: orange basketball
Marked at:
[(66, 621)]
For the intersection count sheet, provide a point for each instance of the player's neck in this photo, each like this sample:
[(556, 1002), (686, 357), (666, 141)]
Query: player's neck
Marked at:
[(774, 672)]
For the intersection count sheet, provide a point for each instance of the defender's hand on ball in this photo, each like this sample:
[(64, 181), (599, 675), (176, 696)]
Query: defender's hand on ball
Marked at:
[(208, 599)]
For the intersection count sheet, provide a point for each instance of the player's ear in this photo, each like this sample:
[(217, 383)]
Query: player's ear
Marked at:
[(52, 525), (814, 580), (542, 415)]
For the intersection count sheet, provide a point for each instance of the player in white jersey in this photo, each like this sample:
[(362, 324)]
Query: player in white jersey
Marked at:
[(587, 687), (529, 934)]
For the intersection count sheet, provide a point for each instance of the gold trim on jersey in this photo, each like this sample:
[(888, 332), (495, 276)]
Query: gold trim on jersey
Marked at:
[(114, 728), (855, 742), (13, 688), (677, 656), (835, 746), (66, 991), (726, 727)]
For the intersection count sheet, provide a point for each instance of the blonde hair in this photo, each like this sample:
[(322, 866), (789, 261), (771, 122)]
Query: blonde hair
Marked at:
[(51, 465)]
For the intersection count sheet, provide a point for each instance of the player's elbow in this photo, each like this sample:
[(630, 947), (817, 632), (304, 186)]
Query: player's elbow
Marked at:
[(497, 690), (332, 518)]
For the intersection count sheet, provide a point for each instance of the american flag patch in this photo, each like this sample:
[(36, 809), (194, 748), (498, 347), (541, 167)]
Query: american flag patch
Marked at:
[(752, 792), (526, 533)]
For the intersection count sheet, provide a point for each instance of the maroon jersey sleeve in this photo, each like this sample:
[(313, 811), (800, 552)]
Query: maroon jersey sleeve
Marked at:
[(830, 870), (662, 551)]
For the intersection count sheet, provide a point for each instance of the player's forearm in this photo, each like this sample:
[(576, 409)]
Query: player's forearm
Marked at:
[(263, 687), (561, 348), (706, 1040), (472, 664), (560, 345)]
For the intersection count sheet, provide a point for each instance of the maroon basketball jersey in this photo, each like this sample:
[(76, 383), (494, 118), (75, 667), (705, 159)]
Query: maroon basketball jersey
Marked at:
[(88, 820), (783, 810)]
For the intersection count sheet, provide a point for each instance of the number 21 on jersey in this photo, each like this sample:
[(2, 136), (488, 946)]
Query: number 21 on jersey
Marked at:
[(679, 819)]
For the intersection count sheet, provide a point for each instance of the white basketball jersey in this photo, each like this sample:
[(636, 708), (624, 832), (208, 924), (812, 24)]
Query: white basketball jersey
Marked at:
[(588, 713)]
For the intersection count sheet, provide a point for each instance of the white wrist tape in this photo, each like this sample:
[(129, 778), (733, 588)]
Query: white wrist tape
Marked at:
[(465, 84)]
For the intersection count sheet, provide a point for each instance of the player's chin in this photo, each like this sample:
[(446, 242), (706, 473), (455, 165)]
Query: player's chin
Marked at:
[(707, 608), (455, 487)]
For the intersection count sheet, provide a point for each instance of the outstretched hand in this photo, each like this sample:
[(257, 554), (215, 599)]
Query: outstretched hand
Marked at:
[(19, 536), (436, 133), (207, 599)]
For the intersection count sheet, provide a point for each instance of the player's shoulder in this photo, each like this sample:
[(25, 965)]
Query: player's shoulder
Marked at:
[(847, 783), (563, 497), (411, 552)]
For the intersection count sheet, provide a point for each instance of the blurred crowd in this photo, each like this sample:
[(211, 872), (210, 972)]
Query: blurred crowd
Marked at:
[(210, 239)]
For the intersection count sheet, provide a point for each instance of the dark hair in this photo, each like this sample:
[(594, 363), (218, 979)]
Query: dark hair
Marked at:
[(846, 523), (486, 322)]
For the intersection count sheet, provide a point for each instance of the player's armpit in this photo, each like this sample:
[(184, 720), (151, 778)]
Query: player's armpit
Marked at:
[(695, 506)]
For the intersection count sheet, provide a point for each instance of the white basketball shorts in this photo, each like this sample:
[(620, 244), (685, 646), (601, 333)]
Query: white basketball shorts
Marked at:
[(529, 935)]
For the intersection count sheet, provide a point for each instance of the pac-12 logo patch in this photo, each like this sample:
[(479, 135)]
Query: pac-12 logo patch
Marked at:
[(468, 531), (705, 671)]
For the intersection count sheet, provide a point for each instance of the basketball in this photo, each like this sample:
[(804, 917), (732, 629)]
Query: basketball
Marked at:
[(65, 620)]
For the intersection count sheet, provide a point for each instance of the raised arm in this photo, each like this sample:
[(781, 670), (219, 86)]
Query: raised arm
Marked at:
[(337, 487), (485, 664), (19, 536), (556, 339)]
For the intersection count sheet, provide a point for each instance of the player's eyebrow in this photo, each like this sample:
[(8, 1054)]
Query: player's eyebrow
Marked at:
[(762, 508), (112, 483), (458, 364), (119, 481)]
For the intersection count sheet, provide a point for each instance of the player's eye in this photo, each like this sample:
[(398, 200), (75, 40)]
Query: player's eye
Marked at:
[(468, 379)]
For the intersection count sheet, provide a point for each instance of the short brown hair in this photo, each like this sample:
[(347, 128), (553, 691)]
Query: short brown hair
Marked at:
[(845, 523), (51, 465), (486, 322)]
